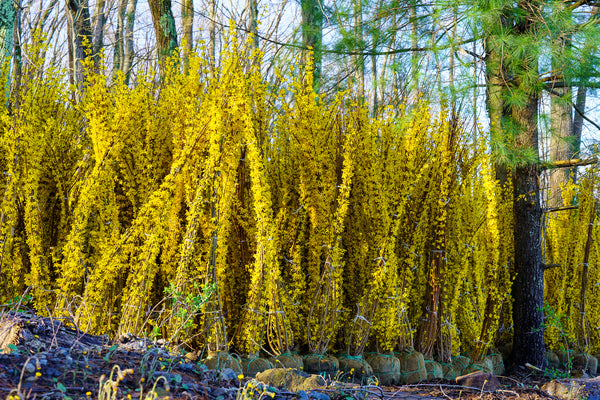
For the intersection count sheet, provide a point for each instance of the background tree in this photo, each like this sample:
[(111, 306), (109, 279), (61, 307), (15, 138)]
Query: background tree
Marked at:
[(164, 30)]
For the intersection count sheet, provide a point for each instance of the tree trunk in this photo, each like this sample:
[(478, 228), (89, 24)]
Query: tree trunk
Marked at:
[(561, 124), (164, 30), (495, 83), (414, 39), (98, 24), (312, 37), (514, 140), (252, 28), (528, 285), (81, 29), (7, 23), (359, 60), (187, 39), (128, 39), (212, 42), (119, 40)]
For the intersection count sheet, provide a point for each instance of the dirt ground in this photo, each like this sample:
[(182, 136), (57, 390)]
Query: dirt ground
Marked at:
[(44, 359)]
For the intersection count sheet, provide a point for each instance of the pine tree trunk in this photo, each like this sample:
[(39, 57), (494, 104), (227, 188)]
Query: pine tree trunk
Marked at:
[(528, 286)]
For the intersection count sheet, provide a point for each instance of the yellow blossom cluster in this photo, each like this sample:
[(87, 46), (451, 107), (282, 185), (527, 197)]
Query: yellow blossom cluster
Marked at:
[(228, 212)]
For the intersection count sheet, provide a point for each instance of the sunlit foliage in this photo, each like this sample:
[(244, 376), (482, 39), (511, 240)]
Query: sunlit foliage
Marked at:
[(297, 222)]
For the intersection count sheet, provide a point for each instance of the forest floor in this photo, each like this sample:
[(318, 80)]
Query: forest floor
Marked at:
[(44, 359)]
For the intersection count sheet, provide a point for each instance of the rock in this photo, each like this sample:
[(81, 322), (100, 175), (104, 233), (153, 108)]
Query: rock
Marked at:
[(228, 374), (219, 392), (191, 356), (412, 366), (585, 362), (33, 334), (480, 380), (434, 370), (318, 395), (302, 395), (30, 367), (290, 379), (563, 389), (386, 368), (9, 334), (552, 360)]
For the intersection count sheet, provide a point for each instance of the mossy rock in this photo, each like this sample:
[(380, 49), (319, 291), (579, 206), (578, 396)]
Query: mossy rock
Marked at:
[(287, 360), (386, 368), (552, 360), (434, 370), (291, 379), (497, 363), (412, 366), (220, 360), (321, 364), (252, 366), (460, 364), (585, 362), (449, 371), (355, 369)]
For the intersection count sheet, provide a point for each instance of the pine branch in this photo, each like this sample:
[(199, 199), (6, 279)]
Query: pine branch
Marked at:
[(576, 162)]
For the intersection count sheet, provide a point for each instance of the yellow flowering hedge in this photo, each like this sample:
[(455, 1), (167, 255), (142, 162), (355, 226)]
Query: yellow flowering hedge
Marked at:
[(227, 212)]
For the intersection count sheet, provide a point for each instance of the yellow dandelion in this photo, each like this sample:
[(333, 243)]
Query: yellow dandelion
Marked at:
[(38, 374), (241, 376)]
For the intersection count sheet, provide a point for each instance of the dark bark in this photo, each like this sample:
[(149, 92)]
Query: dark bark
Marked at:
[(528, 285)]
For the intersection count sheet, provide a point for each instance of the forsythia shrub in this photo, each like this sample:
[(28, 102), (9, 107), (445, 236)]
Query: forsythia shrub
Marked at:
[(228, 212)]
